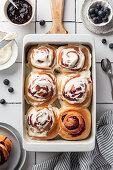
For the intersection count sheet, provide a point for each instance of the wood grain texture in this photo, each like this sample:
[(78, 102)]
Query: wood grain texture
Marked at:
[(57, 8)]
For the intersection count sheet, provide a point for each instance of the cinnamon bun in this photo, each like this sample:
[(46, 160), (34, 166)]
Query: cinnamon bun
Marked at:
[(42, 57), (75, 123), (6, 142), (40, 88), (42, 123), (5, 149), (76, 89), (74, 58)]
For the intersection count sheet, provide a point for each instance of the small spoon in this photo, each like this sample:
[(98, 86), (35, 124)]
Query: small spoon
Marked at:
[(13, 4), (106, 66)]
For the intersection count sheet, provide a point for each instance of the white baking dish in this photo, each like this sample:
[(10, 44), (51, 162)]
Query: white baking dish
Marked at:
[(60, 145)]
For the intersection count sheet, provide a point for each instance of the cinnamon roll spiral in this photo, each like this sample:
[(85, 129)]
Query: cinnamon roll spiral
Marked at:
[(43, 57), (74, 58), (42, 123), (40, 88), (75, 123), (76, 89)]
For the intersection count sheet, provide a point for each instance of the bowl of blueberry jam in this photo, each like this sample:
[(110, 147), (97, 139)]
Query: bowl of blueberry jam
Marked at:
[(20, 15), (100, 13)]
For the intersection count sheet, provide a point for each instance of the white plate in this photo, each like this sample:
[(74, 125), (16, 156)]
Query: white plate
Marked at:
[(14, 158), (23, 152), (14, 56), (60, 145)]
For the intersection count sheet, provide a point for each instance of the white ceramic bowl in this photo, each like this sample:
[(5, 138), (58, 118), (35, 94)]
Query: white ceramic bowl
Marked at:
[(105, 4), (32, 3), (14, 56)]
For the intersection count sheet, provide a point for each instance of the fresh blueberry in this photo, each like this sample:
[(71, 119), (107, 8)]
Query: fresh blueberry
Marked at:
[(10, 89), (42, 22), (92, 10), (107, 11), (98, 6), (104, 41), (96, 11), (105, 19), (101, 14), (102, 9), (93, 15), (99, 19), (111, 45), (2, 101), (95, 20), (6, 82)]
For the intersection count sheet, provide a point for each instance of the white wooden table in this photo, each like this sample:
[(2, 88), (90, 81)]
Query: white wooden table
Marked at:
[(11, 112)]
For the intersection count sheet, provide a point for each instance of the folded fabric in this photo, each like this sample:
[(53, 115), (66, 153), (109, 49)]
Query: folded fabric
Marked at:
[(101, 158)]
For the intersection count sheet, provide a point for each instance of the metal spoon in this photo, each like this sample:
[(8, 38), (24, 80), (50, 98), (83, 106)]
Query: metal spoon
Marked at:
[(13, 4), (106, 66)]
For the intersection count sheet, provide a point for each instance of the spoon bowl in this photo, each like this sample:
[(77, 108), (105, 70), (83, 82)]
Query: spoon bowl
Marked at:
[(107, 67)]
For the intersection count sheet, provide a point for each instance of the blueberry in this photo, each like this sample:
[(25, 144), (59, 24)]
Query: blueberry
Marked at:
[(92, 10), (107, 11), (105, 19), (2, 101), (10, 89), (99, 19), (93, 15), (111, 45), (104, 41), (98, 6), (101, 14), (6, 82), (95, 20), (102, 9), (96, 11), (42, 22)]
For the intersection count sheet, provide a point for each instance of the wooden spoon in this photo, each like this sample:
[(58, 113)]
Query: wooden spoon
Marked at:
[(57, 8)]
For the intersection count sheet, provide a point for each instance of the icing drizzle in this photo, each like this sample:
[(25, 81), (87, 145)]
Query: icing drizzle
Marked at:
[(73, 58), (42, 57), (40, 121), (41, 87), (74, 89)]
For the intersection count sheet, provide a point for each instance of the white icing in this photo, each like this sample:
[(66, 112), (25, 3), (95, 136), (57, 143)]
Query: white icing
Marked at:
[(11, 36), (6, 51), (40, 120), (44, 81), (5, 54), (71, 56), (78, 82), (46, 58)]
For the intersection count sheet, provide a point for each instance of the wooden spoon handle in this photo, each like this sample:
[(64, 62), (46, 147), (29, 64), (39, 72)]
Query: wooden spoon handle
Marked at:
[(57, 8)]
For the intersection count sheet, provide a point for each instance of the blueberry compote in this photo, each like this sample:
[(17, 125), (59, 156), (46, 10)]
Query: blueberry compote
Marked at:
[(21, 15)]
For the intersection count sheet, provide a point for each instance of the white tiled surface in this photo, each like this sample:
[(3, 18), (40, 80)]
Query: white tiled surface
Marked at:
[(78, 9), (69, 26), (11, 112), (44, 11)]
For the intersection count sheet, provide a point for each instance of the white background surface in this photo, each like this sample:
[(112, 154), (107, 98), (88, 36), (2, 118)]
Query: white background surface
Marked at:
[(11, 112)]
